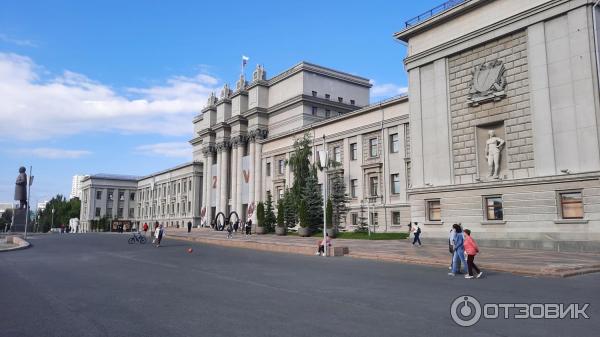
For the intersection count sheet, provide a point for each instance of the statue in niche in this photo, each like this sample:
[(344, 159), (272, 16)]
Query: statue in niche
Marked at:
[(493, 147), (21, 188)]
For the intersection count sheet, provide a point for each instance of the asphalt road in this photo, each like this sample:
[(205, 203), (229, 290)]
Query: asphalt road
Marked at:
[(98, 285)]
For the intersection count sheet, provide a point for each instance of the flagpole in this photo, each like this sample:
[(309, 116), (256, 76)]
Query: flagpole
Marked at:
[(29, 182)]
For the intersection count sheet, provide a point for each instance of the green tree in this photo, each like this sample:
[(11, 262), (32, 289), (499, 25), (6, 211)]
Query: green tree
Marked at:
[(280, 213), (290, 209), (6, 219), (260, 214), (64, 210), (313, 199), (303, 214), (270, 219), (361, 226), (300, 166), (339, 199)]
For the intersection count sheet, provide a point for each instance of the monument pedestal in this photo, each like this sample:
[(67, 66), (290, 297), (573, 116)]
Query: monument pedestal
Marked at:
[(20, 216)]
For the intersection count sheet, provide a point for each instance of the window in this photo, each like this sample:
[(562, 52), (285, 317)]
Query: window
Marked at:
[(279, 194), (178, 187), (373, 186), (120, 212), (493, 208), (375, 219), (394, 143), (337, 154), (281, 166), (97, 211), (353, 151), (110, 195), (395, 218), (395, 183), (327, 113), (132, 196), (184, 185), (373, 147), (434, 211), (352, 102), (98, 195), (268, 169), (190, 185), (354, 217), (131, 211), (189, 206), (314, 110), (121, 196), (340, 99), (109, 212), (314, 93), (571, 205), (353, 187), (327, 96)]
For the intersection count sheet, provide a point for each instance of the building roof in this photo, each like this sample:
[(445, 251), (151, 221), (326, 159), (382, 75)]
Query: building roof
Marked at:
[(112, 177), (169, 169)]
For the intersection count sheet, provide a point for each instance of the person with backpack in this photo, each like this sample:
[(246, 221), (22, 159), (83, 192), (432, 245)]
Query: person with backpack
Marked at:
[(417, 234), (459, 250), (159, 234), (471, 249)]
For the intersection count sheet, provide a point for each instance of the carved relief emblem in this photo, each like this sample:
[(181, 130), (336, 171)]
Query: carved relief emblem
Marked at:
[(488, 83)]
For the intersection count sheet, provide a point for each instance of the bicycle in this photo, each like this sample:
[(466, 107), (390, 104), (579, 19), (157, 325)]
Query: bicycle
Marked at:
[(137, 237)]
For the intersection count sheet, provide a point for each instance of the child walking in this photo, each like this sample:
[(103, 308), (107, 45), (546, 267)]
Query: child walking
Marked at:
[(471, 249)]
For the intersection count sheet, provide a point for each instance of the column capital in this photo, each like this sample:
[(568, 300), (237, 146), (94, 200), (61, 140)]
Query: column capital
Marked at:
[(238, 141), (208, 150), (223, 146), (257, 134)]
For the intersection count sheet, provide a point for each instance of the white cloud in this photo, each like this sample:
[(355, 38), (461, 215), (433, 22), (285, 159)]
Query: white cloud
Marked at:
[(172, 149), (53, 153), (18, 42), (33, 108), (386, 90)]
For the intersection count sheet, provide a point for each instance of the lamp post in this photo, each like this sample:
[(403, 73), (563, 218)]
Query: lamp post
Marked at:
[(52, 223), (323, 160)]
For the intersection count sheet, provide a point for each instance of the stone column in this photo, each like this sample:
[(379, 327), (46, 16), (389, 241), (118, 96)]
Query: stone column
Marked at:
[(223, 179), (205, 176), (252, 181), (208, 180), (258, 187), (238, 178), (234, 174)]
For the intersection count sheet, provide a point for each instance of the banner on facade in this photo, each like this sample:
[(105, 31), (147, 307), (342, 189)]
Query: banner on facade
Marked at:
[(246, 176), (214, 191)]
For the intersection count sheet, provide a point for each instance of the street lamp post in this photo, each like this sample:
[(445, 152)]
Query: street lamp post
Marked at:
[(52, 223), (324, 163)]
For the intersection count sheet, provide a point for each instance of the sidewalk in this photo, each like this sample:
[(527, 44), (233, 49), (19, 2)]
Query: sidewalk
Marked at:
[(516, 261)]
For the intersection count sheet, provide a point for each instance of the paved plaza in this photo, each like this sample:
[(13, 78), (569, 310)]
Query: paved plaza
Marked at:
[(98, 285)]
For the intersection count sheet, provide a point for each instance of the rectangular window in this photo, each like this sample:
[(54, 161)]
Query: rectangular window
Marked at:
[(375, 219), (190, 185), (327, 113), (353, 187), (121, 196), (434, 210), (327, 96), (395, 218), (337, 154), (493, 208), (314, 110), (98, 195), (353, 151), (110, 195), (314, 93), (354, 217), (340, 99), (189, 206), (281, 166), (120, 212), (373, 147), (97, 211), (184, 185), (373, 186), (109, 212), (352, 102), (395, 183), (279, 194), (571, 205), (268, 169), (131, 211), (394, 143), (132, 196)]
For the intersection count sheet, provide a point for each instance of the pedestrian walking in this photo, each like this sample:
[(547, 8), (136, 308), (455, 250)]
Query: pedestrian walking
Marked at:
[(459, 250), (249, 227), (451, 245), (145, 227), (417, 234), (189, 224), (471, 249), (159, 234), (229, 230), (236, 225), (409, 230)]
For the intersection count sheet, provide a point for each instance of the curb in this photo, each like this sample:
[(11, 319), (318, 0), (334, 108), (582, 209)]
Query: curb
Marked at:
[(306, 250), (21, 244)]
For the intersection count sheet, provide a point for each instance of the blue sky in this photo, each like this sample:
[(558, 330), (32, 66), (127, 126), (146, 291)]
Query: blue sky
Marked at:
[(82, 82)]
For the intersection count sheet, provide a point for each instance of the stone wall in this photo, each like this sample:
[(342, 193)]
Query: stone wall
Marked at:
[(513, 110)]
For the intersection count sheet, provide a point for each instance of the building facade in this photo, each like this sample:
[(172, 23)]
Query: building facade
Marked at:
[(499, 131)]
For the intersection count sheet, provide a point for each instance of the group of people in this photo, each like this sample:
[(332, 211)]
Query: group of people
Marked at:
[(158, 233), (234, 227), (461, 244)]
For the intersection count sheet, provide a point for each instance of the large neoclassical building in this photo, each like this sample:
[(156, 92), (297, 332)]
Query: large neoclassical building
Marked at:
[(499, 130)]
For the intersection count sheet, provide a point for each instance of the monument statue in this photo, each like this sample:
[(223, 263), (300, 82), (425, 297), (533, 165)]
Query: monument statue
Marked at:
[(493, 147), (21, 188)]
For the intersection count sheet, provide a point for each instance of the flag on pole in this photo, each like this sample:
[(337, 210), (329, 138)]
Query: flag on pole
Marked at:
[(245, 60)]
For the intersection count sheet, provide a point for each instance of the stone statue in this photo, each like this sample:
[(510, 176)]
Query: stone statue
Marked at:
[(212, 100), (259, 73), (241, 83), (225, 92), (493, 147), (21, 188)]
